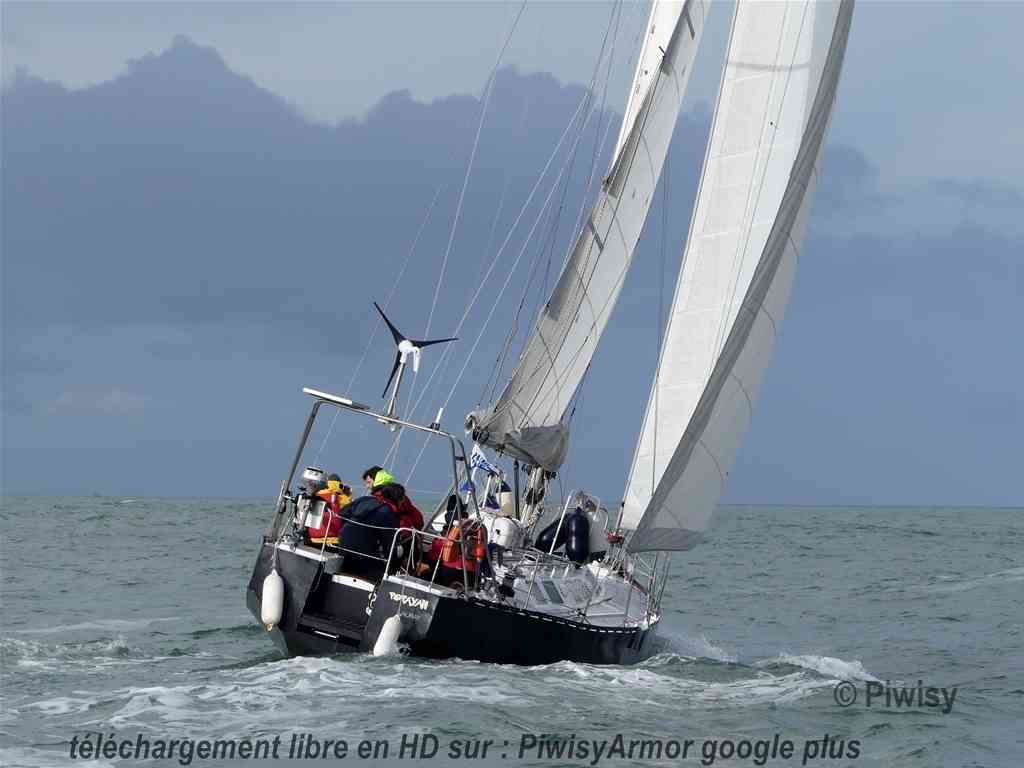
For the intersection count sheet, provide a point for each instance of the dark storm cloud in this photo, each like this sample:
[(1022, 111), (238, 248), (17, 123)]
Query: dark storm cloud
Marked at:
[(182, 251)]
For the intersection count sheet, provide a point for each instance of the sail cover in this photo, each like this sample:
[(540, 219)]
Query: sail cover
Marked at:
[(775, 100), (528, 419)]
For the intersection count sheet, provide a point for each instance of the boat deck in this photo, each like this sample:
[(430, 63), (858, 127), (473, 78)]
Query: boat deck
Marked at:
[(578, 593)]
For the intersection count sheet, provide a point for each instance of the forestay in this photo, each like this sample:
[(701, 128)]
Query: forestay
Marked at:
[(528, 419), (776, 96)]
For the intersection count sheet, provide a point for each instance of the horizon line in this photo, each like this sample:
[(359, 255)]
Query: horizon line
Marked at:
[(269, 499)]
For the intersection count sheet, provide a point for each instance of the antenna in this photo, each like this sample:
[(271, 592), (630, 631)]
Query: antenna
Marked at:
[(405, 347)]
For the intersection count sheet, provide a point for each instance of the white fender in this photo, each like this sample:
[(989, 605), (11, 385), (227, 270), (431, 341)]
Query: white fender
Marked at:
[(272, 604), (387, 640)]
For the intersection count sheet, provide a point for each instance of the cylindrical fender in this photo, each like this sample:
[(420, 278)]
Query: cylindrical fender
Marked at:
[(546, 537), (272, 603), (387, 640), (577, 540)]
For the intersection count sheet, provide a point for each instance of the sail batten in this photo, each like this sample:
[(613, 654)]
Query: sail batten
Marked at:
[(528, 420), (774, 106)]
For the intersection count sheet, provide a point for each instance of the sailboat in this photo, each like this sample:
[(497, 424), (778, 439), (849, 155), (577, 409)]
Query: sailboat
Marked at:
[(499, 572)]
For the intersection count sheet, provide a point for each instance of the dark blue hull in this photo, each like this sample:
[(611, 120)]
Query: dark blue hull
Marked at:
[(329, 614)]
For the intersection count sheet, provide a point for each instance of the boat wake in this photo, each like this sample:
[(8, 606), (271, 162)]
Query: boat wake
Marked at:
[(280, 689), (31, 655), (105, 625), (828, 666)]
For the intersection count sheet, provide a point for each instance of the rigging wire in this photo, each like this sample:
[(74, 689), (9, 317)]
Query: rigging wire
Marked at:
[(599, 144), (521, 130), (613, 23), (598, 151), (494, 262), (557, 380), (488, 89), (580, 349), (486, 98), (614, 29), (491, 385), (501, 203), (587, 103), (511, 271), (501, 250), (376, 326)]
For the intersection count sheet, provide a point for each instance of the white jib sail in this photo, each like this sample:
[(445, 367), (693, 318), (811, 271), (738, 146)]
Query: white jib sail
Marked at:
[(527, 419), (774, 104), (661, 23)]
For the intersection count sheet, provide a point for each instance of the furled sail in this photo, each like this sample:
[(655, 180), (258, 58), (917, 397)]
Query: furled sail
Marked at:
[(773, 111), (528, 419)]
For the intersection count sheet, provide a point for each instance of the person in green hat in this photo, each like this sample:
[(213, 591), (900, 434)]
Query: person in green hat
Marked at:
[(393, 494), (382, 478), (369, 476)]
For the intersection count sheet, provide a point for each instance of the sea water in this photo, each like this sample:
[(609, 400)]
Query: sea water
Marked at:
[(792, 636)]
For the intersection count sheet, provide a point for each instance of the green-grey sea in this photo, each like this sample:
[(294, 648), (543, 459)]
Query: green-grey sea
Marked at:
[(124, 621)]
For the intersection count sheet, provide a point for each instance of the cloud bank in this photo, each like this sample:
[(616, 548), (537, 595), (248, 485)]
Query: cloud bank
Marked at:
[(182, 252)]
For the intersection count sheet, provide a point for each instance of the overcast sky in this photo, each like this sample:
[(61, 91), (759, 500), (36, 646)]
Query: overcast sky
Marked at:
[(927, 84), (193, 231)]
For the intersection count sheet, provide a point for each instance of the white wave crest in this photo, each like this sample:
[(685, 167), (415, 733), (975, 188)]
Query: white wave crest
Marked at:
[(702, 648), (829, 666), (996, 579)]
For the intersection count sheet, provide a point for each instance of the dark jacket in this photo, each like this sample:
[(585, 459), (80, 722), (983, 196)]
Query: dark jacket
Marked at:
[(370, 511)]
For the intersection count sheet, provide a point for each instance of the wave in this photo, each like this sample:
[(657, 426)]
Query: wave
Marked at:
[(701, 647), (105, 625), (223, 700), (92, 655), (998, 578), (19, 757), (248, 629), (829, 666)]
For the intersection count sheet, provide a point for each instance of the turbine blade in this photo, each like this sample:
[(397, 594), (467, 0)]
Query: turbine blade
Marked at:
[(422, 344), (398, 357), (397, 334)]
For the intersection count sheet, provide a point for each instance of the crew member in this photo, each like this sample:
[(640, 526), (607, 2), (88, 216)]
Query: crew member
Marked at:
[(369, 476), (335, 496), (366, 536), (393, 494)]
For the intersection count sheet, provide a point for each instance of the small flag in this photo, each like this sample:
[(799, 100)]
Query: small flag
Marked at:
[(478, 460)]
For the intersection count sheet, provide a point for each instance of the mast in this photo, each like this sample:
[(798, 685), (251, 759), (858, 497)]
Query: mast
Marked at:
[(527, 421), (756, 187)]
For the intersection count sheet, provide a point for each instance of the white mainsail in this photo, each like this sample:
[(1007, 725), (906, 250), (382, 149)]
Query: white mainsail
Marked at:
[(527, 420), (775, 101)]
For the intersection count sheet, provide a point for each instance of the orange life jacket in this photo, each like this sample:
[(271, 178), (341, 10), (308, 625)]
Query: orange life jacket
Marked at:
[(475, 543)]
